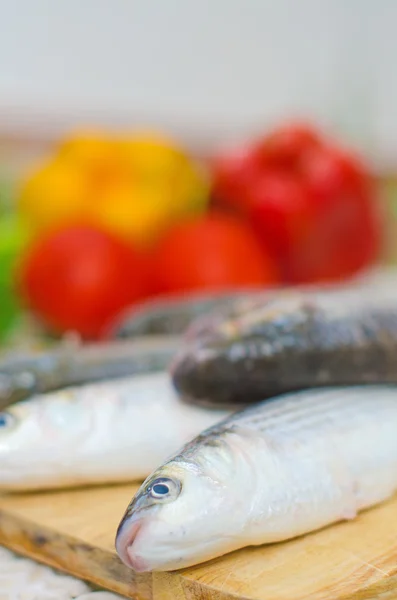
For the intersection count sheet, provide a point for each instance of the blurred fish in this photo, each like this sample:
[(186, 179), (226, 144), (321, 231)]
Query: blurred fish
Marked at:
[(275, 471), (193, 314), (290, 340), (173, 316), (70, 363), (104, 432)]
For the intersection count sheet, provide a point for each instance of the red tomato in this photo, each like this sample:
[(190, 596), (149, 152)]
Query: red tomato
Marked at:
[(79, 278), (212, 252)]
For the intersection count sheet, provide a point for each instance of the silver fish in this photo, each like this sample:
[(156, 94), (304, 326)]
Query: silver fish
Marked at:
[(105, 432), (70, 363), (272, 472)]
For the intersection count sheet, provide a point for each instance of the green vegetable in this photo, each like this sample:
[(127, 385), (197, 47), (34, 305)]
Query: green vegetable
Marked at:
[(12, 241)]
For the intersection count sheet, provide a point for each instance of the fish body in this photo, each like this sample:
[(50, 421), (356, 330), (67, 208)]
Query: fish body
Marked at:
[(70, 363), (110, 431), (173, 316), (201, 312), (293, 340), (272, 472)]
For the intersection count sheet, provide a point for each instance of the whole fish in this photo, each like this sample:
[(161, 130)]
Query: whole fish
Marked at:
[(210, 323), (70, 363), (172, 316), (110, 431), (292, 340), (272, 472)]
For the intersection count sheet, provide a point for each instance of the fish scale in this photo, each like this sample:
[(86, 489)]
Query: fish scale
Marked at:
[(307, 407)]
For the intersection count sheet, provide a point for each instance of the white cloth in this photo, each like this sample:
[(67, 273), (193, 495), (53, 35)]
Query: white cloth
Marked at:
[(24, 579)]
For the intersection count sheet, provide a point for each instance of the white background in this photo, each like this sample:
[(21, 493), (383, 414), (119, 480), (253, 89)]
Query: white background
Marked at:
[(205, 68)]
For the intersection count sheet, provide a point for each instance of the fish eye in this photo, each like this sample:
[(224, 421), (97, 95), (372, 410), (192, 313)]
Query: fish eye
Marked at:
[(164, 488), (6, 420), (160, 489)]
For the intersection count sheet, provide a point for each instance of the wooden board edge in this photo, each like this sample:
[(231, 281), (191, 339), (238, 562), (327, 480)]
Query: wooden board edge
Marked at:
[(180, 586), (103, 568), (72, 556), (383, 589), (168, 586)]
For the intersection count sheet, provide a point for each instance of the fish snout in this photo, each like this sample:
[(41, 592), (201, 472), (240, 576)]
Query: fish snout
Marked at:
[(125, 538)]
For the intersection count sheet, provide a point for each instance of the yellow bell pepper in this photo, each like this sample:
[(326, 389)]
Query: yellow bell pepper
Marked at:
[(54, 193), (158, 164), (95, 153), (133, 213), (134, 186)]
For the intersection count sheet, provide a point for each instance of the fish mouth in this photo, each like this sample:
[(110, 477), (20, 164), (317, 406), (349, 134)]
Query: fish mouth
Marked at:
[(125, 538)]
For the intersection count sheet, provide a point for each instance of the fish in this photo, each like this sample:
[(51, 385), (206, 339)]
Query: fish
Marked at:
[(173, 315), (268, 473), (290, 340), (206, 323), (105, 432), (198, 312), (71, 363)]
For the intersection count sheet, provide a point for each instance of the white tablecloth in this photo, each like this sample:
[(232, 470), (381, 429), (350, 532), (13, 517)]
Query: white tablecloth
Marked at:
[(24, 579)]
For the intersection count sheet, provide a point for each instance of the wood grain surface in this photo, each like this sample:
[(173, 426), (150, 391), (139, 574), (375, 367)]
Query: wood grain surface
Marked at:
[(75, 530)]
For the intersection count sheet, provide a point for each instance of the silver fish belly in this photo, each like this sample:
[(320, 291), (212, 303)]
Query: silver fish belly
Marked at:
[(272, 472)]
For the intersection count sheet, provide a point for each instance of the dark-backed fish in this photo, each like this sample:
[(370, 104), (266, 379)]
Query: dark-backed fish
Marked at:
[(69, 363), (293, 340)]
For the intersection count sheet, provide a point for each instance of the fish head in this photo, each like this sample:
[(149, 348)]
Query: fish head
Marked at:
[(19, 437), (38, 437), (181, 513)]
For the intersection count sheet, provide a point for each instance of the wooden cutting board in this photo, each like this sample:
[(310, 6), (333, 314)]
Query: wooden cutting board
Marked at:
[(75, 530)]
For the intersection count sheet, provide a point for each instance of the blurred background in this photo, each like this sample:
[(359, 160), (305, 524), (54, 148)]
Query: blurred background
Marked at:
[(155, 149)]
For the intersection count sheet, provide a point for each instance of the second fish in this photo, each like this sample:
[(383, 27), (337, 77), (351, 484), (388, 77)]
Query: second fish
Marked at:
[(110, 431), (293, 340)]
